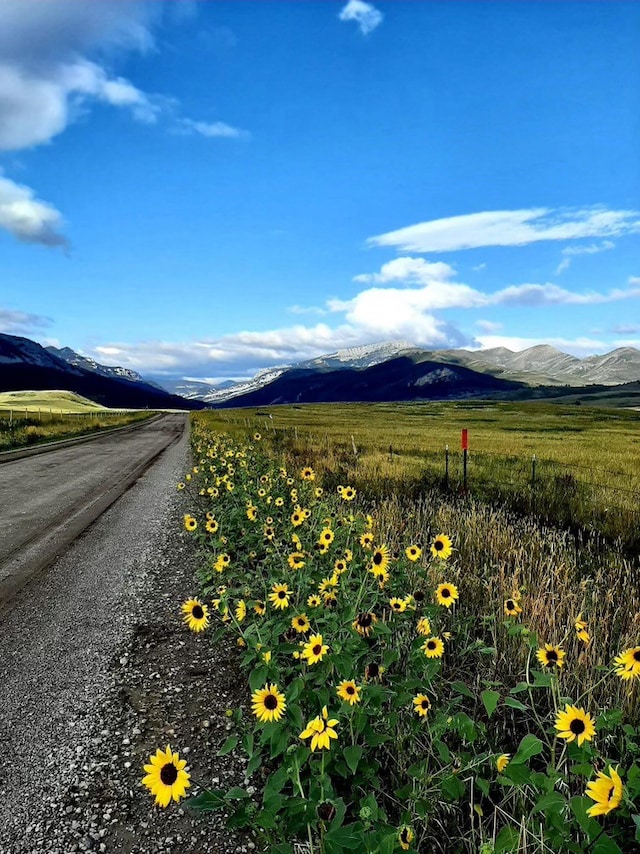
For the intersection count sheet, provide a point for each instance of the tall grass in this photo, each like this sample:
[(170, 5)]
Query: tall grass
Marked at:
[(31, 430)]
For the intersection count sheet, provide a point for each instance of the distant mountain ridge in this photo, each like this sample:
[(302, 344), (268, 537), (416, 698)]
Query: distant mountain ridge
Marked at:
[(26, 365)]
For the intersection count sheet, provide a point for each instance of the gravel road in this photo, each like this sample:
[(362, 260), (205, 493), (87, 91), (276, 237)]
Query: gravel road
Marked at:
[(48, 499), (97, 670)]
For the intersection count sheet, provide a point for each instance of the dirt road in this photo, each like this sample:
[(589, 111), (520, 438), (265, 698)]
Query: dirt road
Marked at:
[(48, 499)]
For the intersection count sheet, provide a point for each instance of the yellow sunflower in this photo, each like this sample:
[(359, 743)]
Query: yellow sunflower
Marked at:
[(433, 647), (318, 491), (581, 630), (307, 473), (340, 566), (166, 777), (606, 791), (421, 704), (252, 512), (279, 596), (321, 730), (301, 623), (397, 605), (502, 761), (295, 560), (268, 704), (190, 523), (405, 837), (241, 610), (364, 623), (196, 615), (366, 540), (414, 553), (326, 536), (574, 723), (551, 656), (424, 627), (512, 607), (314, 650), (297, 518), (180, 486), (627, 664), (380, 558), (314, 601), (441, 547), (349, 692), (348, 493), (446, 594)]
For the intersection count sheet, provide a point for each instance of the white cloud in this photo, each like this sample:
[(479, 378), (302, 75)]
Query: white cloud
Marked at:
[(364, 14), (550, 294), (27, 218), (589, 249), (21, 322), (509, 228), (210, 129), (488, 325)]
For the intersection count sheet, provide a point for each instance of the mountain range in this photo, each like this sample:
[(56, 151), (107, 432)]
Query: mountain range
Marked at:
[(391, 371)]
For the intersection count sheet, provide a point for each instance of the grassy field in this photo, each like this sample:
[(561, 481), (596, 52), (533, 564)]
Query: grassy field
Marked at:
[(33, 417), (586, 473)]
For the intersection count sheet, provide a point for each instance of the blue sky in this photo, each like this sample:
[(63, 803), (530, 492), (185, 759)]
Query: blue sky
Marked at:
[(209, 188)]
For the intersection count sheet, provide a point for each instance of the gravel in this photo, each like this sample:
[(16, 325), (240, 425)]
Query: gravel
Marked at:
[(97, 671)]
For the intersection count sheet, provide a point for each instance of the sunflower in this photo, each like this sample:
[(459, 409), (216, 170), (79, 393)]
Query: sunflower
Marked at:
[(314, 601), (366, 539), (606, 791), (502, 761), (380, 557), (190, 523), (551, 656), (424, 627), (397, 605), (321, 730), (262, 492), (573, 724), (446, 594), (330, 599), (441, 547), (279, 501), (301, 623), (326, 536), (349, 692), (348, 493), (257, 437), (373, 672), (297, 518), (268, 704), (279, 596), (196, 615), (321, 548), (364, 623), (295, 560), (211, 526), (259, 607), (414, 553), (264, 478), (405, 837), (241, 610), (318, 491), (297, 542), (512, 607), (421, 704), (328, 584), (166, 777), (581, 629), (269, 532), (180, 486), (433, 647), (627, 664), (221, 562), (314, 650), (348, 555), (307, 473), (340, 566)]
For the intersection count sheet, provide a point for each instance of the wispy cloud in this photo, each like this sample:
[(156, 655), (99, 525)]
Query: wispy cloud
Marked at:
[(489, 326), (590, 249), (365, 15), (21, 322), (509, 228), (27, 218), (210, 129)]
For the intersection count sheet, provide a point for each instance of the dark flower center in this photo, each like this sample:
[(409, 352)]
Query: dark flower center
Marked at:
[(282, 594), (636, 655), (419, 596), (431, 645), (373, 670), (611, 792), (169, 774), (510, 604), (317, 649), (577, 726), (404, 836), (377, 558), (364, 620), (425, 704), (438, 545), (552, 656), (271, 702), (350, 689), (445, 593), (301, 622), (326, 811), (197, 612)]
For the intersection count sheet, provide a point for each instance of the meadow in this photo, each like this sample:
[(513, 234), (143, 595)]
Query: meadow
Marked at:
[(426, 672), (34, 417)]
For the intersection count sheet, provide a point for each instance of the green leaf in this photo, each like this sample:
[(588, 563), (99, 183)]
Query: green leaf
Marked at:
[(254, 763), (461, 688), (521, 686), (257, 677), (279, 741), (348, 837), (579, 807), (207, 801), (230, 744), (490, 700), (551, 802), (529, 746), (515, 704), (265, 819), (507, 840), (453, 787), (352, 756), (606, 845), (236, 794)]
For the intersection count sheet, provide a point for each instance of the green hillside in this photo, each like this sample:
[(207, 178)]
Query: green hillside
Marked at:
[(56, 401)]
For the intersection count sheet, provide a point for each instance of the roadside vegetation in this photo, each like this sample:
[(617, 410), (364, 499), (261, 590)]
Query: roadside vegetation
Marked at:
[(32, 418), (425, 672)]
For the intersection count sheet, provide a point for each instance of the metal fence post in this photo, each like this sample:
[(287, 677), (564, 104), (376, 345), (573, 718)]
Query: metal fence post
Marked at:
[(464, 468)]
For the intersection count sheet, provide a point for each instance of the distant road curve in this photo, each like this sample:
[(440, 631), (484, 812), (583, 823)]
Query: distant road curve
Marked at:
[(47, 500)]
